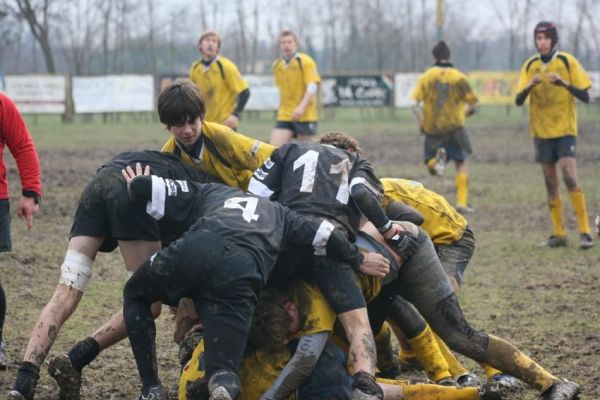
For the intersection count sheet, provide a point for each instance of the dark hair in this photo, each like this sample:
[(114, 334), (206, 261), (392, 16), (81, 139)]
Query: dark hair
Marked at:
[(441, 51), (342, 141), (547, 28), (180, 102), (271, 321)]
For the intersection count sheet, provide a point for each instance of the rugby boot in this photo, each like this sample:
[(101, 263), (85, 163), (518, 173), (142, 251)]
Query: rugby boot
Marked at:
[(220, 393), (14, 395), (585, 241), (463, 210), (511, 381), (197, 389), (364, 387), (554, 241), (66, 376), (155, 393), (561, 390), (468, 380), (3, 357), (447, 382)]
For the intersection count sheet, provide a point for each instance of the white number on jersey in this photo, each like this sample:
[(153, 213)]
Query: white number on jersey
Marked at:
[(309, 161), (248, 211)]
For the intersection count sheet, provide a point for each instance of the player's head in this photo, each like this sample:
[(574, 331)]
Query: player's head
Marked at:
[(181, 108), (276, 319), (288, 44), (342, 141), (545, 35), (209, 44), (441, 51)]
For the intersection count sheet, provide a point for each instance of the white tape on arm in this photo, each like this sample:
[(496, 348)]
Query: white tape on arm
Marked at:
[(322, 237), (156, 206), (76, 270)]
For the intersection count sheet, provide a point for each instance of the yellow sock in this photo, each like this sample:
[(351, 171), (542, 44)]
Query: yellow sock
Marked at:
[(462, 189), (431, 164), (425, 391), (510, 360), (406, 355), (556, 215), (578, 202), (455, 367), (429, 355), (388, 348), (489, 370)]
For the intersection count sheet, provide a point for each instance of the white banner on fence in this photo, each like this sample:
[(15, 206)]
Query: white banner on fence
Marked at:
[(595, 90), (404, 84), (263, 93), (113, 93), (33, 94)]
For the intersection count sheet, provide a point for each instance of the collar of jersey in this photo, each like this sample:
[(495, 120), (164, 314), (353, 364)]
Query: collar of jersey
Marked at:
[(196, 153), (443, 64), (207, 66), (549, 60), (287, 63)]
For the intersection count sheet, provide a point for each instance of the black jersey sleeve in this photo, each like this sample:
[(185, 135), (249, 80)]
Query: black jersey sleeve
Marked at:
[(398, 211), (366, 191), (171, 197), (266, 180), (323, 236)]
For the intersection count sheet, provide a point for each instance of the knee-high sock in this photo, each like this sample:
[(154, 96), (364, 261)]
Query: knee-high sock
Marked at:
[(503, 355), (489, 370), (424, 391), (2, 310), (462, 189), (429, 355), (578, 202), (455, 366), (556, 216)]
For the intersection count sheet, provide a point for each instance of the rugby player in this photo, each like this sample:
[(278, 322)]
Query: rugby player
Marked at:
[(553, 79), (442, 98), (221, 85), (104, 219), (297, 79)]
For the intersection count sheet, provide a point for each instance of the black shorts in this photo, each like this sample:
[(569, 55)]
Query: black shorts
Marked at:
[(456, 143), (105, 210), (549, 151), (298, 128), (222, 279), (456, 256)]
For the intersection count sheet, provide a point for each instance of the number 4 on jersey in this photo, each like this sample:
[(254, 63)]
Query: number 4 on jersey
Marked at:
[(248, 211)]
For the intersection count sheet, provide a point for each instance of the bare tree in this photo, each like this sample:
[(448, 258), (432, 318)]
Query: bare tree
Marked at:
[(39, 18)]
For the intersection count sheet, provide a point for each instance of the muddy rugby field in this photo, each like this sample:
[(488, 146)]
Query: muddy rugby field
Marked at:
[(545, 301)]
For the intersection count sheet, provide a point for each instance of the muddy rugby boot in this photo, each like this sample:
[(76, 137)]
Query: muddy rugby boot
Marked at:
[(468, 380), (511, 381), (220, 393), (561, 390), (66, 376), (585, 241), (554, 241), (437, 165), (3, 357)]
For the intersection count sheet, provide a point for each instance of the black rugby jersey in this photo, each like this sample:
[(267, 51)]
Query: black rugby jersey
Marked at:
[(316, 179), (256, 224)]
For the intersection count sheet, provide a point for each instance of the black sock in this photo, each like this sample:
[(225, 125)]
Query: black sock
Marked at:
[(84, 353), (2, 310), (27, 377)]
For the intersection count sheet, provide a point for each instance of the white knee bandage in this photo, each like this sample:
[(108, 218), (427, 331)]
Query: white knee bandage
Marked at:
[(76, 270)]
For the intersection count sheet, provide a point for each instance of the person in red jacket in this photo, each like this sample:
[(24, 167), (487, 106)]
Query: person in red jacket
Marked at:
[(15, 135)]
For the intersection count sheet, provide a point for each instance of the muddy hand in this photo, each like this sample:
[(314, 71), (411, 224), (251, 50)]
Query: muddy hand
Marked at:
[(128, 172), (374, 264)]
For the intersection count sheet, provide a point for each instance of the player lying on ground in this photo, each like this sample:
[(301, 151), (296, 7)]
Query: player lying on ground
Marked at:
[(222, 264), (326, 181), (104, 219), (301, 319)]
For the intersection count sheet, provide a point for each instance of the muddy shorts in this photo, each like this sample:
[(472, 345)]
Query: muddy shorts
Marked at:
[(105, 210), (456, 143), (298, 128), (455, 257), (549, 151), (5, 243)]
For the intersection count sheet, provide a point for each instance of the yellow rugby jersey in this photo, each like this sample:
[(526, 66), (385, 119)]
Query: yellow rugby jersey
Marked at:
[(318, 315), (258, 372), (442, 222), (444, 92), (226, 154), (292, 79), (220, 83), (552, 109)]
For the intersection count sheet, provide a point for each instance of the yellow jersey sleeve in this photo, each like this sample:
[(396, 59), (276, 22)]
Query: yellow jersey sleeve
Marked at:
[(578, 77), (234, 79), (525, 77), (309, 70), (442, 222), (319, 317)]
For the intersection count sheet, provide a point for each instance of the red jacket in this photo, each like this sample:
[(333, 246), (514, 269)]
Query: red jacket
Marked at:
[(14, 134)]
